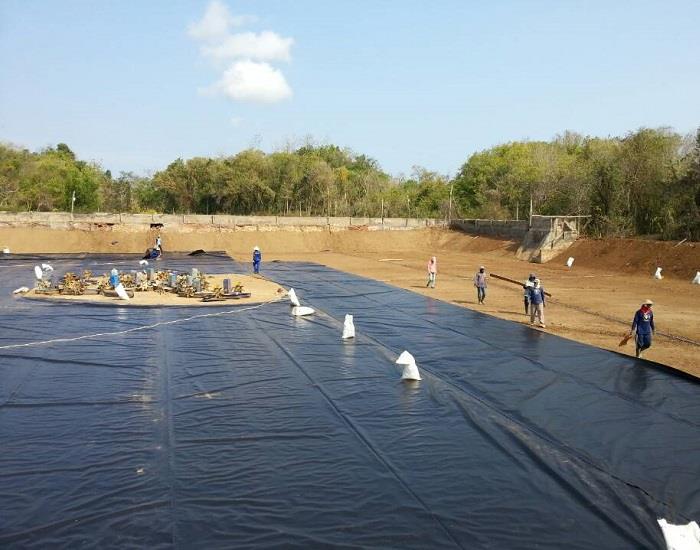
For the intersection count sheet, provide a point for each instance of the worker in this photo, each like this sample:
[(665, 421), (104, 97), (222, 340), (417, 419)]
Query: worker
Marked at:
[(257, 258), (643, 325), (152, 253), (114, 278), (537, 302), (526, 291), (432, 272), (480, 284), (159, 243)]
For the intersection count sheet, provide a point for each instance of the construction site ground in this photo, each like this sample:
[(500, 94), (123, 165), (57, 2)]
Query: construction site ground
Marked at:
[(593, 302)]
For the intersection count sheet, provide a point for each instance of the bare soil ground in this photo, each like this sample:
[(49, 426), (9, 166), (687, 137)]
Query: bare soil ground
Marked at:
[(592, 303)]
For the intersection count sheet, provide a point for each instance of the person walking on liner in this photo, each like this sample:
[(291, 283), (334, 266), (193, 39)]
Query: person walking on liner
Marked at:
[(480, 284), (432, 272), (537, 303), (643, 325)]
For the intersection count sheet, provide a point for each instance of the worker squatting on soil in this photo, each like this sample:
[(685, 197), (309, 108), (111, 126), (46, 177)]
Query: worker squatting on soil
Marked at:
[(480, 284), (537, 303), (156, 252), (643, 324), (257, 258), (526, 291), (432, 272)]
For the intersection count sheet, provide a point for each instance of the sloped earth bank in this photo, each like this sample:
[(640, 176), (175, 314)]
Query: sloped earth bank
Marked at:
[(593, 302)]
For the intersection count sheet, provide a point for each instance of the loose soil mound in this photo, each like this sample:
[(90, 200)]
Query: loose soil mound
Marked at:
[(636, 256)]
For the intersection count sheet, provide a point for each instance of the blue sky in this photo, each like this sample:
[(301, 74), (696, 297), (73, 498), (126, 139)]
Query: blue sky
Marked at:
[(135, 84)]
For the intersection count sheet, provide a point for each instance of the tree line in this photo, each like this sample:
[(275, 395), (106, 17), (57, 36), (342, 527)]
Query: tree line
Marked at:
[(644, 183)]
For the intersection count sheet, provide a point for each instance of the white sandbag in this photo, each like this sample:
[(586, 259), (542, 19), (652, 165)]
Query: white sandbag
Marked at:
[(293, 298), (658, 275), (405, 359), (5, 250), (46, 267), (570, 262), (143, 262), (20, 290), (298, 311), (348, 327), (410, 372), (121, 292), (681, 537), (38, 273), (696, 281)]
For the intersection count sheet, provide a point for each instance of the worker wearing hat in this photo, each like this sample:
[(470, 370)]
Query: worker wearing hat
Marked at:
[(480, 284), (257, 258), (643, 325), (537, 301)]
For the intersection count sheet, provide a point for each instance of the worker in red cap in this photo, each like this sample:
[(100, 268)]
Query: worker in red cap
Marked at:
[(643, 325)]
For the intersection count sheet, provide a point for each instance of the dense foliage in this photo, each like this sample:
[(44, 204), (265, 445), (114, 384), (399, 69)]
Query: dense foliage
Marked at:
[(647, 182)]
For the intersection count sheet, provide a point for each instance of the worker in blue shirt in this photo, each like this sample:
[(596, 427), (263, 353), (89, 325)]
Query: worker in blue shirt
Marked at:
[(536, 292), (643, 325), (257, 258), (114, 278)]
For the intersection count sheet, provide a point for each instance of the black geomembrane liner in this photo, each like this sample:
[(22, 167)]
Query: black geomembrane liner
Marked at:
[(256, 429)]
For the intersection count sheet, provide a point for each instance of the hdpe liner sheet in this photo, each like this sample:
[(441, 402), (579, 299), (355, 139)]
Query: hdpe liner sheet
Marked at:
[(254, 428)]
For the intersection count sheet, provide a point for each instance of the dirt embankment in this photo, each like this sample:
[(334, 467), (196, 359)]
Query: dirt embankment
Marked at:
[(636, 256), (592, 303)]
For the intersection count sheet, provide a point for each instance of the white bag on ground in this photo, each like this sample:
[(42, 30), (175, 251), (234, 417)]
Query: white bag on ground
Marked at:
[(38, 273), (121, 292), (696, 281), (681, 537), (46, 267), (21, 290), (348, 327), (298, 311), (570, 262), (5, 250), (410, 372), (658, 275), (410, 369), (293, 297)]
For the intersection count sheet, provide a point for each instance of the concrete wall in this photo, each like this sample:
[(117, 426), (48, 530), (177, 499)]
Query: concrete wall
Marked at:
[(510, 229), (548, 237), (189, 222)]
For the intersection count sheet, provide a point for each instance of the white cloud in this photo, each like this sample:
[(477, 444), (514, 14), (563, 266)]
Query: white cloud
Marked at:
[(216, 23), (248, 76), (252, 81), (266, 46)]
